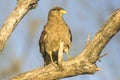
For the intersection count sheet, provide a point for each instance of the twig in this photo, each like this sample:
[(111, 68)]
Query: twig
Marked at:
[(88, 39)]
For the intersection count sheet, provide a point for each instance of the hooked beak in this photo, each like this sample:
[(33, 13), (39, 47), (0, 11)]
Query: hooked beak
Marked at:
[(63, 12)]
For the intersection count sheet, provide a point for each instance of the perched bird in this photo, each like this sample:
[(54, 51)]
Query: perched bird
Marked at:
[(54, 30)]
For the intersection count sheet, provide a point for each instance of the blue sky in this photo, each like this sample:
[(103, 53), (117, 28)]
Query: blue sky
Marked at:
[(83, 17)]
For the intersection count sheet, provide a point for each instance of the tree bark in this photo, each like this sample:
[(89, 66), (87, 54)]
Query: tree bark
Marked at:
[(85, 62), (23, 6)]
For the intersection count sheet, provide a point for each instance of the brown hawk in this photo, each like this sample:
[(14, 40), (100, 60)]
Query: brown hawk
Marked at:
[(55, 30)]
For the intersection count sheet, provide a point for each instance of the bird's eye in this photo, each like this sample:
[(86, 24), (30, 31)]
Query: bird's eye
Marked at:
[(55, 11)]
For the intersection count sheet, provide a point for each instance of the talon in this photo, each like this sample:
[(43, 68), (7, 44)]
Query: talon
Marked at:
[(51, 58), (69, 57), (53, 63), (66, 51)]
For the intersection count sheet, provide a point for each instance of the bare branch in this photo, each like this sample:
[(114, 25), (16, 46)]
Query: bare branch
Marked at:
[(23, 6), (84, 63), (102, 37)]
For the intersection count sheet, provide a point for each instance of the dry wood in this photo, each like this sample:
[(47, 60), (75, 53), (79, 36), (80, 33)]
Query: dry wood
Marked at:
[(23, 6)]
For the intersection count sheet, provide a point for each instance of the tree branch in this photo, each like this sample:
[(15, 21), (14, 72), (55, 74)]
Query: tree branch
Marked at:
[(102, 37), (23, 6), (85, 62)]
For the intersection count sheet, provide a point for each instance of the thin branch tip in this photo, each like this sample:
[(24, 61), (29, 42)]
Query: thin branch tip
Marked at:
[(98, 69)]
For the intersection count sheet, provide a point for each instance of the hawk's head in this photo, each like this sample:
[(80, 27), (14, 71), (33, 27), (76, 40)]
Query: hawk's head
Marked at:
[(57, 11)]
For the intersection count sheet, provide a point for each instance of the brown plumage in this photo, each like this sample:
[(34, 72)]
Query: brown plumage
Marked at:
[(55, 30)]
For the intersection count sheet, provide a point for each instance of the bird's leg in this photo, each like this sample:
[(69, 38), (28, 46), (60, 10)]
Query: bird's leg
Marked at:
[(66, 52), (51, 58), (69, 57)]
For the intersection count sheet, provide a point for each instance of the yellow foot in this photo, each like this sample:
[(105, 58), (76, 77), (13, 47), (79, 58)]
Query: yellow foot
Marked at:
[(66, 51), (54, 64), (69, 57)]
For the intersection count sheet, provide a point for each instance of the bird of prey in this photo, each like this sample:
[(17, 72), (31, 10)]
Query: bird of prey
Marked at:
[(54, 30)]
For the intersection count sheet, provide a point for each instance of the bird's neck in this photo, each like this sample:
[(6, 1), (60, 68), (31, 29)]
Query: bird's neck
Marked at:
[(55, 19)]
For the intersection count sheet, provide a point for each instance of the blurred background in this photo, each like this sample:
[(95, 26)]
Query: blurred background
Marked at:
[(84, 17)]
